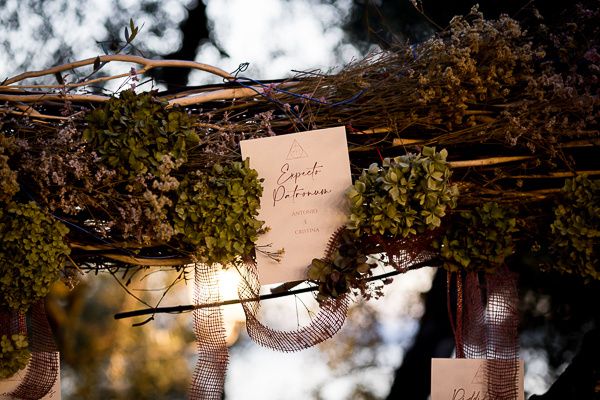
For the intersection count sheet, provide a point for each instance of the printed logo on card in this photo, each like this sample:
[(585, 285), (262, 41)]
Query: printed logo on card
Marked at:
[(296, 152)]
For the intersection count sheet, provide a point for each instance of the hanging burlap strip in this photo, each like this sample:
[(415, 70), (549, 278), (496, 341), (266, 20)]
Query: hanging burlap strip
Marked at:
[(488, 329), (404, 253), (43, 367), (503, 340), (401, 254), (456, 320), (474, 328), (209, 376), (327, 322)]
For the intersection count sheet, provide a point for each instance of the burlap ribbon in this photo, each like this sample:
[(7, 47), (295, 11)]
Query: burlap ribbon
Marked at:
[(328, 321), (485, 326), (209, 376), (44, 364)]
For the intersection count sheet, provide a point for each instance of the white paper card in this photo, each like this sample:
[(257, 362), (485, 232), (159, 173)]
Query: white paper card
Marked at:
[(306, 176), (463, 379), (10, 384)]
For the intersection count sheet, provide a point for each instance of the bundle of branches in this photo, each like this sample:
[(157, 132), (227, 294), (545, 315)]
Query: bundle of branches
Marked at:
[(156, 179)]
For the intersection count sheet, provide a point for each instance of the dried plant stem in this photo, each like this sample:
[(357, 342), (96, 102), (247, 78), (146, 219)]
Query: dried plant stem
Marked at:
[(74, 263), (539, 194), (147, 64), (555, 175), (227, 94), (373, 130), (107, 251), (101, 247), (35, 98), (406, 142), (147, 262), (478, 112), (223, 94), (34, 114), (487, 161), (589, 142)]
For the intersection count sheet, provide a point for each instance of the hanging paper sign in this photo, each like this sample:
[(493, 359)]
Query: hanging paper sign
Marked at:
[(8, 385), (464, 379), (306, 176)]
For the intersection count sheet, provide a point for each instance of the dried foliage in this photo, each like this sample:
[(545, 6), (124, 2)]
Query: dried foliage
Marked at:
[(347, 270), (516, 111), (576, 228), (8, 178), (407, 195), (478, 240), (134, 133), (32, 255), (14, 355), (216, 212)]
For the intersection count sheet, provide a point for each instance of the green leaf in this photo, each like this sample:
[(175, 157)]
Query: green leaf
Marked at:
[(373, 169), (428, 151)]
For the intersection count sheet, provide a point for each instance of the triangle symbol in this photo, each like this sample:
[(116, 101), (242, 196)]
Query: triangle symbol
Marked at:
[(296, 151), (479, 378)]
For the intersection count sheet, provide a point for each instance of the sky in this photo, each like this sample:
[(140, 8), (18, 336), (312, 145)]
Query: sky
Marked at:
[(275, 38)]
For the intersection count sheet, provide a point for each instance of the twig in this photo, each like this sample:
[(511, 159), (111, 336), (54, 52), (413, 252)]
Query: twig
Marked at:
[(34, 98), (192, 307), (109, 246), (284, 287), (406, 142), (74, 263), (226, 94), (34, 114), (553, 175), (129, 292), (223, 94), (487, 161), (590, 142), (147, 262), (147, 64)]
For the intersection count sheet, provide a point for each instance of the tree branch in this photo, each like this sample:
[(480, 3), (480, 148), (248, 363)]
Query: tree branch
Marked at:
[(147, 65)]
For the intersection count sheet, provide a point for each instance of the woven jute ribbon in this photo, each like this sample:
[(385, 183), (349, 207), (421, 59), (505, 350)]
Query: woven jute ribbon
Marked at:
[(486, 327), (327, 322), (43, 368), (209, 376)]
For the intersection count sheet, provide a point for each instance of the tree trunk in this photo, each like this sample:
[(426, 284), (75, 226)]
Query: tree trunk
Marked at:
[(581, 380), (194, 31)]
